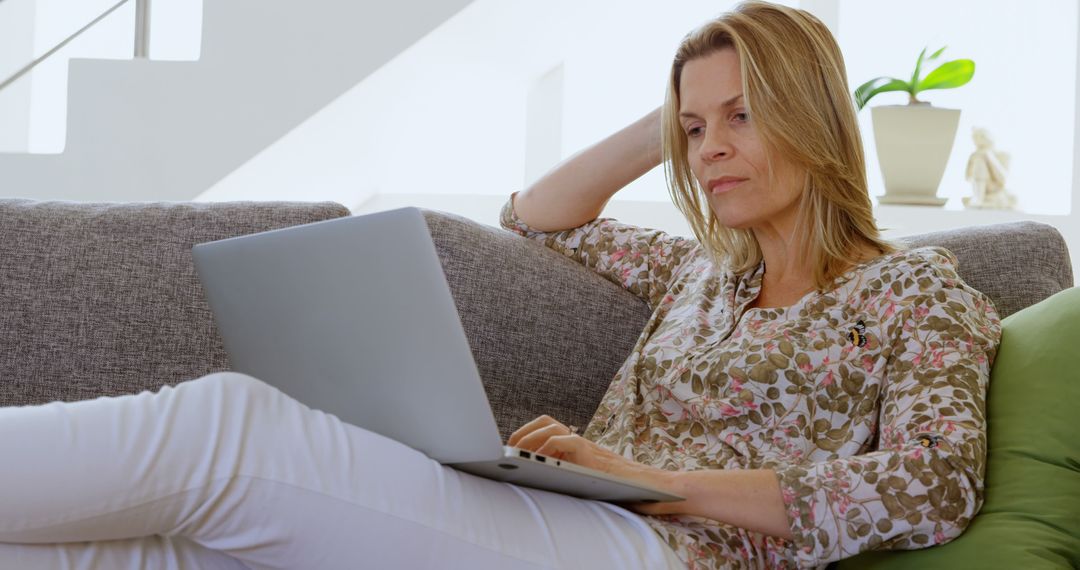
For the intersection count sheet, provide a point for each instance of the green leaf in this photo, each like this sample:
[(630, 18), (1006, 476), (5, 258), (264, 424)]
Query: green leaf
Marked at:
[(879, 85), (949, 75), (919, 64), (918, 67)]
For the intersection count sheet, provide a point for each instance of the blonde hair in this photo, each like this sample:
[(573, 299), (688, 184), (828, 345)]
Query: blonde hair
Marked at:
[(796, 92)]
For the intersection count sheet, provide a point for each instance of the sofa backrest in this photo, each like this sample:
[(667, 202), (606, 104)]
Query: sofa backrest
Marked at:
[(102, 299), (549, 335)]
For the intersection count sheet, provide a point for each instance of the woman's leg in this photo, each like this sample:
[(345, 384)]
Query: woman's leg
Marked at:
[(238, 467), (157, 552)]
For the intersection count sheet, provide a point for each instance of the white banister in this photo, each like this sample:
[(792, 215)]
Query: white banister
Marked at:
[(142, 38), (142, 29)]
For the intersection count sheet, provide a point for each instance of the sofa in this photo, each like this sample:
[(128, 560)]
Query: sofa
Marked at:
[(102, 299)]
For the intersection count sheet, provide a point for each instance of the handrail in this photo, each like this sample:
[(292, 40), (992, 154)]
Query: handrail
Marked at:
[(142, 38), (142, 29)]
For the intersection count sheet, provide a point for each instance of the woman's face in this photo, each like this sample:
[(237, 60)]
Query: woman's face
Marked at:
[(724, 151)]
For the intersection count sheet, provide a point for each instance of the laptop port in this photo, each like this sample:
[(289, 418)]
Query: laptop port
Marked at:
[(541, 459), (524, 454)]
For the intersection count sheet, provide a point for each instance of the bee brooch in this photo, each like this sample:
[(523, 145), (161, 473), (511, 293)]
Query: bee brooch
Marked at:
[(857, 336), (928, 441)]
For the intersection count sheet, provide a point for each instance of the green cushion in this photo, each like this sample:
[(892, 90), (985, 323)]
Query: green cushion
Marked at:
[(1031, 517)]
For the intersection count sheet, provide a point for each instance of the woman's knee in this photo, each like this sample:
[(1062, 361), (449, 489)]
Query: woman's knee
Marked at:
[(240, 413), (235, 387)]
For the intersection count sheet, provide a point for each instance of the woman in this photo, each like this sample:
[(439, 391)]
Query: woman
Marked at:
[(812, 387), (812, 390)]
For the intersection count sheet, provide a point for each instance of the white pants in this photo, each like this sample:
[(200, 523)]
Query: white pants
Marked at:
[(228, 472)]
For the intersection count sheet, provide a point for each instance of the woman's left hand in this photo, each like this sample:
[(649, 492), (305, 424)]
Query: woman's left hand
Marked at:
[(547, 436)]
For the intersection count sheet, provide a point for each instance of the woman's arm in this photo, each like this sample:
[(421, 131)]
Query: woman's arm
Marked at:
[(576, 190), (923, 483), (746, 498), (566, 203)]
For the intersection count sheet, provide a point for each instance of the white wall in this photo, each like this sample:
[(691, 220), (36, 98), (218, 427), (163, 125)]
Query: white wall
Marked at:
[(449, 115), (55, 21), (176, 30), (16, 50), (543, 124)]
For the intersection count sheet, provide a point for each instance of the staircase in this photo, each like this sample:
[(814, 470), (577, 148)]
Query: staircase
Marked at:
[(166, 130)]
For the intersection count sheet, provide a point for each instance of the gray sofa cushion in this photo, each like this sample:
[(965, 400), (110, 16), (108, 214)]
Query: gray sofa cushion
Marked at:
[(102, 299), (549, 335)]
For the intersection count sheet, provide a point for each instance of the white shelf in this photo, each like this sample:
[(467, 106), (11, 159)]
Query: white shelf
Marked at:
[(896, 220)]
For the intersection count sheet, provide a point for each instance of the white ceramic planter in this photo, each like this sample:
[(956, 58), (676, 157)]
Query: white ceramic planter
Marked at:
[(913, 147)]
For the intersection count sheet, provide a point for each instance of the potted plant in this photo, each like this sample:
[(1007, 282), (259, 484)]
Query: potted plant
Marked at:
[(914, 140)]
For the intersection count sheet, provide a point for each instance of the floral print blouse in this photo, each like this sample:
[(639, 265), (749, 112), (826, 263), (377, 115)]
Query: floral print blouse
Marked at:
[(868, 400)]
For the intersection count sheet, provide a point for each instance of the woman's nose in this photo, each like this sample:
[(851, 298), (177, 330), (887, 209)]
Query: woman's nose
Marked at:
[(715, 146)]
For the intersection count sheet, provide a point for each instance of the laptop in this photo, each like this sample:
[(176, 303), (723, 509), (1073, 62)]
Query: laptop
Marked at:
[(353, 316)]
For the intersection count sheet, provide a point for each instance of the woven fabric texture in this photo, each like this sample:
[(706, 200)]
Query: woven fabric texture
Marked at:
[(102, 299), (547, 334)]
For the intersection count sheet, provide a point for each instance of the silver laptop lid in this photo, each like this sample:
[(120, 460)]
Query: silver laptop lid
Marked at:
[(354, 317)]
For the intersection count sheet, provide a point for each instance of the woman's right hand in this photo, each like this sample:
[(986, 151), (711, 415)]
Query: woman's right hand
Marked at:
[(547, 436), (534, 434)]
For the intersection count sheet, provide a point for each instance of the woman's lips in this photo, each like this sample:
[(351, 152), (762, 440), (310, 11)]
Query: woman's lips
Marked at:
[(726, 185)]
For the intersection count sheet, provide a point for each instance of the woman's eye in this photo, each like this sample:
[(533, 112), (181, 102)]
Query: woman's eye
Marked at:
[(693, 132), (741, 117)]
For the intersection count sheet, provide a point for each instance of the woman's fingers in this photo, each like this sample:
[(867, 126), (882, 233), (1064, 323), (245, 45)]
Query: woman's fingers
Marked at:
[(547, 436), (528, 428), (531, 429), (562, 447), (537, 438)]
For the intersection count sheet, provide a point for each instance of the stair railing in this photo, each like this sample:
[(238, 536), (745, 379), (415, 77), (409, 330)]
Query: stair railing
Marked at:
[(142, 38)]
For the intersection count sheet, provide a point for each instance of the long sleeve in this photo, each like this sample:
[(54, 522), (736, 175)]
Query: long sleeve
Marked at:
[(643, 261), (923, 483)]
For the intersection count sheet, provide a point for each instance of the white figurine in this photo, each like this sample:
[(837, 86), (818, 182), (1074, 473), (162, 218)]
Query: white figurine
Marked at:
[(986, 170)]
